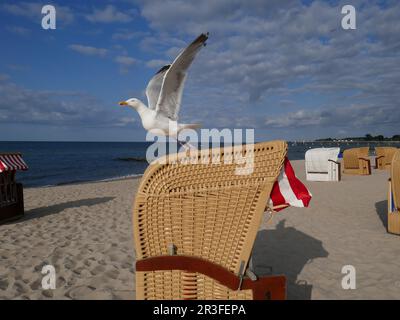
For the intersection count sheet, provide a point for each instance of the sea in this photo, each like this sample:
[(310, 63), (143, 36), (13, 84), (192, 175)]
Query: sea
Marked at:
[(60, 163)]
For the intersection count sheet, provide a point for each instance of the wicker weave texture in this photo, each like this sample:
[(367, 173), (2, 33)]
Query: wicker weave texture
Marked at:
[(205, 210), (351, 157), (356, 161), (180, 285), (395, 178), (385, 155)]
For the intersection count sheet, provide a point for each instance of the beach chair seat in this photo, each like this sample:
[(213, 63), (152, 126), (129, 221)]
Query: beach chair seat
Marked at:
[(384, 156), (394, 195), (322, 164), (195, 223), (356, 161)]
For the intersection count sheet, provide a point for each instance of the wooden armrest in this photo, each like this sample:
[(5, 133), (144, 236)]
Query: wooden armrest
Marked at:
[(272, 287), (365, 159), (333, 161), (376, 161)]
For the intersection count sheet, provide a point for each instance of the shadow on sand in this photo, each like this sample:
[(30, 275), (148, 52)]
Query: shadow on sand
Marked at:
[(57, 208), (382, 211), (288, 250)]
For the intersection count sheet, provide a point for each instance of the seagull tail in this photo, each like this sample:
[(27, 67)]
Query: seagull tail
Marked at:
[(193, 126)]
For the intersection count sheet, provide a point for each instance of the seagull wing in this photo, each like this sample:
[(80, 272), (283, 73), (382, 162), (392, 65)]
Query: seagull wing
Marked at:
[(154, 87), (169, 101)]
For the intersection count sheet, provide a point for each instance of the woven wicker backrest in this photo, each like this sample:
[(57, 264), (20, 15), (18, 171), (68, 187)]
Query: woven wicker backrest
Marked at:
[(395, 177), (380, 151), (350, 158), (206, 210), (389, 153), (363, 152)]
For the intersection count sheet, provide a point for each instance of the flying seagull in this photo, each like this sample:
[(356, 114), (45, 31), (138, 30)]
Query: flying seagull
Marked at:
[(164, 94)]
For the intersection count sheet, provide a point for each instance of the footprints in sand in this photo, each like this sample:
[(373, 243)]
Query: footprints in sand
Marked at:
[(89, 245)]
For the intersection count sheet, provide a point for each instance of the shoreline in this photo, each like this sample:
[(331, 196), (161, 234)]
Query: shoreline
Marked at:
[(135, 176)]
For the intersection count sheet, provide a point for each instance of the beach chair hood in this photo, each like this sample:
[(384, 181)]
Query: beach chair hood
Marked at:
[(12, 162), (317, 160)]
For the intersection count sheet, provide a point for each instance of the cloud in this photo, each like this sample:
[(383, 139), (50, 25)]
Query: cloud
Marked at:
[(3, 77), (283, 61), (108, 14), (125, 121), (33, 11), (125, 62), (18, 67), (156, 63), (19, 30), (20, 105), (128, 35), (364, 117), (88, 50)]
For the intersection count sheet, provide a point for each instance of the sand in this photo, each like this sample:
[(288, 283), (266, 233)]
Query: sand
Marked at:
[(85, 232)]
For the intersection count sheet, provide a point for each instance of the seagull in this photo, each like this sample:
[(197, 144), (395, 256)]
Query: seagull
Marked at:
[(164, 95)]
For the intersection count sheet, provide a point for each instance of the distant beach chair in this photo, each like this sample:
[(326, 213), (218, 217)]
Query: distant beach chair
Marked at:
[(322, 164), (356, 161), (384, 156), (195, 224), (394, 195), (11, 192)]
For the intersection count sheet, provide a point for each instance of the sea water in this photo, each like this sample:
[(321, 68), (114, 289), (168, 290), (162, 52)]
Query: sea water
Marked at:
[(58, 163)]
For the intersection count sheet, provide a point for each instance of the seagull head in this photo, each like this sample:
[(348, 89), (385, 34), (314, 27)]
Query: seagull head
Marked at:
[(133, 102)]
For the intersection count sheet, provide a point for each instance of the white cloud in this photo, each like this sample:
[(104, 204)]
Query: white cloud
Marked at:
[(19, 30), (125, 63), (156, 63), (128, 35), (262, 52), (33, 11), (366, 117), (108, 14), (56, 108), (125, 60), (88, 50)]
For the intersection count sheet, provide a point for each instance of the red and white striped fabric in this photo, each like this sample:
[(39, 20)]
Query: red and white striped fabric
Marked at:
[(11, 162), (289, 190)]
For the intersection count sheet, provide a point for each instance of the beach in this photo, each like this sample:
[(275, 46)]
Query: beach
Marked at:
[(85, 232)]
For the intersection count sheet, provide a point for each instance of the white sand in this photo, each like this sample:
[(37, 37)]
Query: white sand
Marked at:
[(85, 232)]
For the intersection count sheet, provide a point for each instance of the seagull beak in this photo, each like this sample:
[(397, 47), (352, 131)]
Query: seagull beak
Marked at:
[(123, 103)]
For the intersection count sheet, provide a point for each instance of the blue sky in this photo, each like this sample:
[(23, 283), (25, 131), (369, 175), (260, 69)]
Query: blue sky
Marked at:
[(285, 68)]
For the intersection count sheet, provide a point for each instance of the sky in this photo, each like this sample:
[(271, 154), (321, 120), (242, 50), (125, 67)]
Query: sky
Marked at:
[(283, 67)]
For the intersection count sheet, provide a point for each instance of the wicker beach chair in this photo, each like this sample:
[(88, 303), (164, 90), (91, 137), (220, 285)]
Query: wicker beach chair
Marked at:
[(195, 224), (394, 195), (356, 161), (384, 156)]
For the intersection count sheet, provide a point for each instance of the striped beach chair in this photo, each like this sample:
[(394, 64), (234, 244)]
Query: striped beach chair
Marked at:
[(11, 192), (196, 217), (394, 195)]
